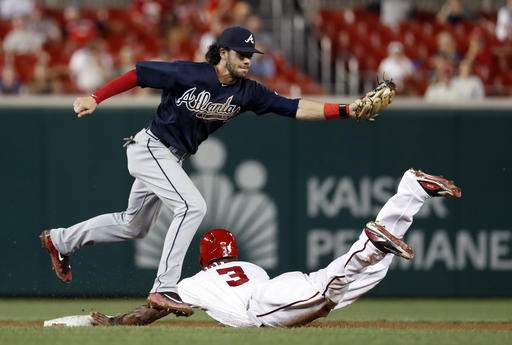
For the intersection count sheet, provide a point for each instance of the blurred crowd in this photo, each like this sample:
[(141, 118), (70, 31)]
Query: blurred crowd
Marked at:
[(75, 50), (450, 55)]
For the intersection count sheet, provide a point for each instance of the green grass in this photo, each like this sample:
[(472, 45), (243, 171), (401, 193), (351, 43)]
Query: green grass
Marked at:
[(188, 336), (430, 310), (443, 310)]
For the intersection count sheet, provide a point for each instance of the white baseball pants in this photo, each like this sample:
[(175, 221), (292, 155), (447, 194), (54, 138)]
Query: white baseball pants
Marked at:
[(161, 185), (296, 298)]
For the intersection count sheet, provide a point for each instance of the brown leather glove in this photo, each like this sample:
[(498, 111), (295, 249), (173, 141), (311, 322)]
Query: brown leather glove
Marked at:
[(368, 107)]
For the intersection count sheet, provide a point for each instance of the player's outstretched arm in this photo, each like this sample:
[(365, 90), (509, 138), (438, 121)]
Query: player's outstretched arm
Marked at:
[(364, 108), (143, 315), (86, 105), (313, 110)]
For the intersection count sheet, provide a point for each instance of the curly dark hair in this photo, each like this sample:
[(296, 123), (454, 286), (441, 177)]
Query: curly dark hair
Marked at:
[(213, 54)]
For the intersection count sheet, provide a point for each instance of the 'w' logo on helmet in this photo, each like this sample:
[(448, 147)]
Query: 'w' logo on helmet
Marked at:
[(250, 39)]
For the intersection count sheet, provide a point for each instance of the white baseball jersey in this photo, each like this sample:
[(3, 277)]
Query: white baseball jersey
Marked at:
[(224, 291), (240, 294)]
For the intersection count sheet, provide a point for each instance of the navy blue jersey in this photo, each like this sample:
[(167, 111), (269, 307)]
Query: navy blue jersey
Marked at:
[(194, 103)]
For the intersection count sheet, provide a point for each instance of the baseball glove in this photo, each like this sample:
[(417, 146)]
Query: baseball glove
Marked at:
[(143, 315), (368, 107)]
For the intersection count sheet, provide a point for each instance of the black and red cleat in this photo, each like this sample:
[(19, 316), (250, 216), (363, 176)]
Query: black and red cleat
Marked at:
[(386, 242), (60, 263), (436, 185), (171, 302)]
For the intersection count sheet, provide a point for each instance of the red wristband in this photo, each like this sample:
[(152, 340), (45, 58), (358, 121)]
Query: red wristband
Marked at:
[(334, 111), (331, 111), (120, 84)]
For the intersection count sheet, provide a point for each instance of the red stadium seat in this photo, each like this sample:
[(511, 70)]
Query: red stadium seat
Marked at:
[(419, 36), (24, 65)]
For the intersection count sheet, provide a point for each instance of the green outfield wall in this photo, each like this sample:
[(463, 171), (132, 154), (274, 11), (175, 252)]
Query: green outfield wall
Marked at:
[(295, 194)]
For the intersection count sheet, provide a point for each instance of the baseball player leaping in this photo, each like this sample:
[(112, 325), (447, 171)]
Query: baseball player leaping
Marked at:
[(197, 99), (240, 294)]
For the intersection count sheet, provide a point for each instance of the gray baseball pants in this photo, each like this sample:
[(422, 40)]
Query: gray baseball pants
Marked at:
[(161, 185)]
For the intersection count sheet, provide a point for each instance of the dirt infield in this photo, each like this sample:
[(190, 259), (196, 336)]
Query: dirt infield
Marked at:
[(318, 324)]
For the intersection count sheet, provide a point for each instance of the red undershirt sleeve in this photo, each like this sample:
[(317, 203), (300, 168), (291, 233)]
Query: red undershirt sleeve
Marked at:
[(116, 86)]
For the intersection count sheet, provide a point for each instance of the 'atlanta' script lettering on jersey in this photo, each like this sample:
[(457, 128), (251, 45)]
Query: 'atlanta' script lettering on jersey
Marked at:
[(204, 109)]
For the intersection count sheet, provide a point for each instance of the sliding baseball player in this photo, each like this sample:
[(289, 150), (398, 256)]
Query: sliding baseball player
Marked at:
[(240, 294)]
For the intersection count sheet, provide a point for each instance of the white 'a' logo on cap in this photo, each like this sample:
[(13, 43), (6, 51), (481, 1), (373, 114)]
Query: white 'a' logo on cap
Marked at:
[(250, 39)]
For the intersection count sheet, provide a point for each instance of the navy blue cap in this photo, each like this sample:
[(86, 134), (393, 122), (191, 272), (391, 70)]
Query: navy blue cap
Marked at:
[(239, 39)]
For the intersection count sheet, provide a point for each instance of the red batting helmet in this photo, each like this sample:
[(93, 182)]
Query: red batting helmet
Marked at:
[(217, 244)]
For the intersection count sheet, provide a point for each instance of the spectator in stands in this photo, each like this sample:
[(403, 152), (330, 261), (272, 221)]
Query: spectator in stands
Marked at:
[(504, 34), (189, 13), (79, 30), (393, 12), (20, 40), (208, 38), (179, 44), (396, 65), (45, 27), (44, 81), (9, 83), (446, 49), (441, 89), (147, 15), (480, 55), (241, 11), (220, 9), (90, 66), (127, 59), (504, 23), (255, 25), (478, 50), (451, 12), (262, 65), (10, 9), (467, 86)]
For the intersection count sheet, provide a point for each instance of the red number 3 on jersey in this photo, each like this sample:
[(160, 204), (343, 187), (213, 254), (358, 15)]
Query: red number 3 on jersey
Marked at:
[(235, 272)]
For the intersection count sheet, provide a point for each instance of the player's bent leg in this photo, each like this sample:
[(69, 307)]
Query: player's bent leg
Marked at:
[(288, 300), (366, 280), (143, 207), (414, 189), (187, 218), (334, 280), (154, 164), (356, 272), (385, 234), (295, 298), (186, 221)]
